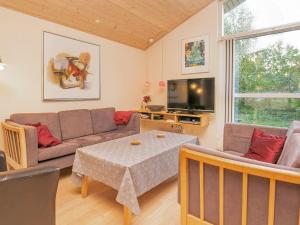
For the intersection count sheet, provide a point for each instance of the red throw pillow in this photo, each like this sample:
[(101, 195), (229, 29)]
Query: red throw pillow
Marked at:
[(122, 117), (265, 147), (45, 138)]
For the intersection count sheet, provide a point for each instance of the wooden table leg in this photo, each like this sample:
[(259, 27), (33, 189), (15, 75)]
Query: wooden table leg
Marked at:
[(84, 187), (127, 216)]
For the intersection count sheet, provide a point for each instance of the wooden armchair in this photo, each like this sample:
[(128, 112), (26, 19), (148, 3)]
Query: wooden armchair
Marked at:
[(222, 188), (15, 146)]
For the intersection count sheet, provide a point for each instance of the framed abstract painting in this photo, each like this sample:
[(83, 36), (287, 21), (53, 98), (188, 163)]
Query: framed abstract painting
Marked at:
[(71, 69), (195, 55)]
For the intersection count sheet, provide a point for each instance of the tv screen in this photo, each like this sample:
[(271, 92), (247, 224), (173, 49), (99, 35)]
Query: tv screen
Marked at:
[(192, 94)]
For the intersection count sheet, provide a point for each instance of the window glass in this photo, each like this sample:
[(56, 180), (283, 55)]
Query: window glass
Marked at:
[(278, 112), (268, 64), (248, 15)]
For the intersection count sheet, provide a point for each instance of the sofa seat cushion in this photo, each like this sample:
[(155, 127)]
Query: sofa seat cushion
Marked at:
[(75, 123), (116, 134), (86, 140), (57, 151), (103, 120), (49, 119)]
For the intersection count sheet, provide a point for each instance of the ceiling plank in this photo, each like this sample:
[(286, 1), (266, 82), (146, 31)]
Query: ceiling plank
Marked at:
[(131, 22)]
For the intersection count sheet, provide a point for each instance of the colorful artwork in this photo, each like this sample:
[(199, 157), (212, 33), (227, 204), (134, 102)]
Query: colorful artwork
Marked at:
[(71, 69), (195, 55)]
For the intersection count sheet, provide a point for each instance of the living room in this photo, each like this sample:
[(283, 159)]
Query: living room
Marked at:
[(103, 78)]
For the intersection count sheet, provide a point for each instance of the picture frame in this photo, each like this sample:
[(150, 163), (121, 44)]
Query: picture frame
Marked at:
[(71, 69), (195, 55)]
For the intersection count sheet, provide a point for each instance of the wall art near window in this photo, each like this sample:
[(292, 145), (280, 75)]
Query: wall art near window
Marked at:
[(71, 68), (195, 55)]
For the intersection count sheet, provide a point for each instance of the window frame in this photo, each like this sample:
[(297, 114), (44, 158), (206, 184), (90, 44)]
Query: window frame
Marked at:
[(246, 35)]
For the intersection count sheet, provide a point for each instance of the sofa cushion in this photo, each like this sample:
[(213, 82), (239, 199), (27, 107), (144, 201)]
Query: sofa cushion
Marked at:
[(103, 120), (57, 151), (75, 123), (122, 117), (116, 134), (86, 140), (294, 128), (49, 119), (237, 136), (45, 138), (291, 157), (265, 147)]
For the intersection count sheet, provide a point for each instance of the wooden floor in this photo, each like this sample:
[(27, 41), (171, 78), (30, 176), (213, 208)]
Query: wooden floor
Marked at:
[(158, 207)]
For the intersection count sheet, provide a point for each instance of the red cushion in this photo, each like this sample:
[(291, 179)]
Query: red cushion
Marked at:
[(265, 147), (45, 138), (122, 117)]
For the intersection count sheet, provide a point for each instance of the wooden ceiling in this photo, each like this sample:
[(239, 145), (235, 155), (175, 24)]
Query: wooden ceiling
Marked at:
[(131, 22)]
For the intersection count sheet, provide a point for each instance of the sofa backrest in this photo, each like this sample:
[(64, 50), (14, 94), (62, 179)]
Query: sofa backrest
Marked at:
[(237, 137), (49, 119), (103, 120), (75, 123)]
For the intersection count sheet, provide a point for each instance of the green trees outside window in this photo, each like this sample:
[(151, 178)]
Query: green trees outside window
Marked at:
[(267, 73)]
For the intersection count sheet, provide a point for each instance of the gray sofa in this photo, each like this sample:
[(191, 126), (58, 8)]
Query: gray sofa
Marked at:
[(247, 191), (75, 128)]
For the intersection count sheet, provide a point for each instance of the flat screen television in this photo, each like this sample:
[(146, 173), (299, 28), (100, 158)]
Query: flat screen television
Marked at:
[(193, 95)]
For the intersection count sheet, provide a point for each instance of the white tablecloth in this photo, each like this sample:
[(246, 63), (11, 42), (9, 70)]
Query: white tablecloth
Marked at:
[(132, 170)]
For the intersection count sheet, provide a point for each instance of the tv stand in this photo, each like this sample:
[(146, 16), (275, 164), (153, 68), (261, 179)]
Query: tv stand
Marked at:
[(176, 118)]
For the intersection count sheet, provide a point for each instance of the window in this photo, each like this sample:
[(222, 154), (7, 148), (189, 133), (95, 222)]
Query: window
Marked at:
[(248, 15), (266, 65)]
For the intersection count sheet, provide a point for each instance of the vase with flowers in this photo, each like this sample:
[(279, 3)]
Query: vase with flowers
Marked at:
[(146, 99)]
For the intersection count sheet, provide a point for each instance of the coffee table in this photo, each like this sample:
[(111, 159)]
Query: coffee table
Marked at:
[(132, 170)]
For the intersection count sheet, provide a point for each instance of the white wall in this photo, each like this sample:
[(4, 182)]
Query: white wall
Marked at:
[(205, 22), (123, 68)]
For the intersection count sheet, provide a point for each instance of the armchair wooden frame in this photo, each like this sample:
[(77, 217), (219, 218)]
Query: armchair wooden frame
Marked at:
[(14, 146), (246, 169)]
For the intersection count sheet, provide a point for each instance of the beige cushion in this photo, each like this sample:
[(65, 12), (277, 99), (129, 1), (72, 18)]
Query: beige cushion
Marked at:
[(57, 151), (294, 128), (291, 155), (103, 120), (75, 123)]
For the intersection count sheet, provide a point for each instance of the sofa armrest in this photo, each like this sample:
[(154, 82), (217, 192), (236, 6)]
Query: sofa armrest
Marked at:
[(3, 166), (28, 196), (28, 147), (237, 136), (134, 123)]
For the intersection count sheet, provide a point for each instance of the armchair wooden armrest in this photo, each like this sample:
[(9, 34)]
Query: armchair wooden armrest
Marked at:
[(20, 145)]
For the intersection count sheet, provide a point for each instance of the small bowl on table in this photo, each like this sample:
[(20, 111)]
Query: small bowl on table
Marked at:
[(135, 142), (160, 135)]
